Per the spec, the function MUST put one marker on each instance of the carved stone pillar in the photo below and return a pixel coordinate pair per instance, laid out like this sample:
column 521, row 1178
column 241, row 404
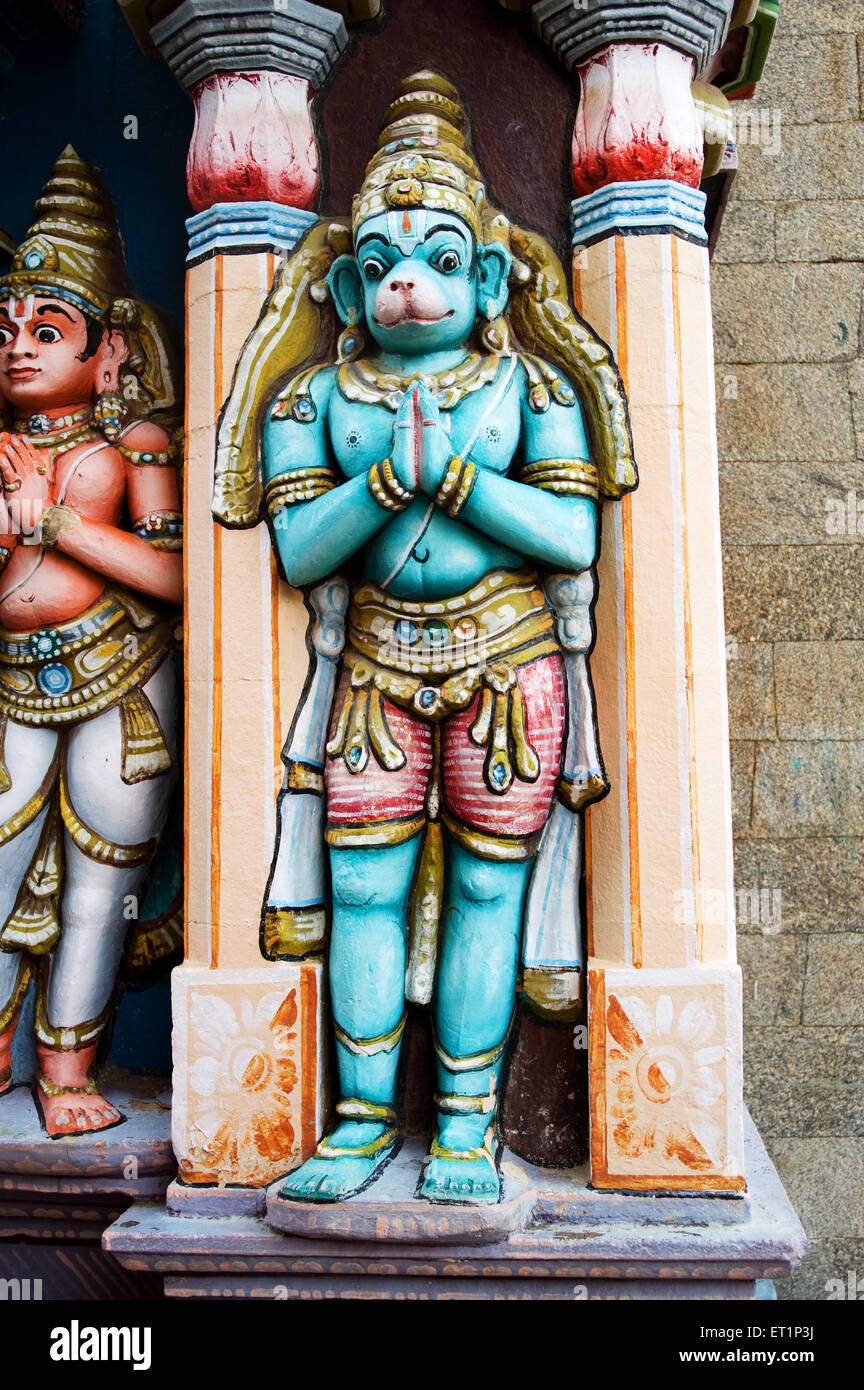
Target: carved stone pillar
column 248, row 1046
column 665, row 991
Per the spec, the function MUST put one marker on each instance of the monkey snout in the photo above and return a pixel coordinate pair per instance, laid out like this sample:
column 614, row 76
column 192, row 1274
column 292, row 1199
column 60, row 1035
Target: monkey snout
column 408, row 301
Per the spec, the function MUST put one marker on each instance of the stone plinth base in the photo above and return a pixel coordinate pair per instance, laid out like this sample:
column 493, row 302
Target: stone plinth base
column 70, row 1189
column 123, row 1158
column 390, row 1209
column 574, row 1243
column 188, row 1199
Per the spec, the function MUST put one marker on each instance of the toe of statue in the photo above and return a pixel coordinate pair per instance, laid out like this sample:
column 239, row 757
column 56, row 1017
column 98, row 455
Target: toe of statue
column 455, row 1176
column 332, row 1174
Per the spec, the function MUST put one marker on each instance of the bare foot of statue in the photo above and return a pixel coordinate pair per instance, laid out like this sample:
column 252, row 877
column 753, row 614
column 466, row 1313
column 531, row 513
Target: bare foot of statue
column 67, row 1098
column 344, row 1163
column 461, row 1164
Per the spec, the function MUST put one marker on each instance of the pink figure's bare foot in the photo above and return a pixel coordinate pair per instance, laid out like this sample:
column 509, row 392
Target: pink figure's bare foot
column 67, row 1105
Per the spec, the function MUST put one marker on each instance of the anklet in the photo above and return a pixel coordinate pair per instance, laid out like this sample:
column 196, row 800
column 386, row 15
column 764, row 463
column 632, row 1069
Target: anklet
column 353, row 1108
column 374, row 1146
column 55, row 1092
column 437, row 1150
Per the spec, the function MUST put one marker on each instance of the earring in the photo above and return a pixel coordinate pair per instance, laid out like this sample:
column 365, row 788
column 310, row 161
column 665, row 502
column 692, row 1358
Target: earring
column 109, row 413
column 350, row 344
column 496, row 337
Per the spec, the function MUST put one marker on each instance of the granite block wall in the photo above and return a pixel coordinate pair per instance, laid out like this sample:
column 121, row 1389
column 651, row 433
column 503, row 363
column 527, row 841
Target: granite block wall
column 787, row 284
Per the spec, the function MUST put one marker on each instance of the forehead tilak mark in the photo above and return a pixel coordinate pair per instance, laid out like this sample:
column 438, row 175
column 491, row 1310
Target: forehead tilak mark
column 406, row 230
column 20, row 308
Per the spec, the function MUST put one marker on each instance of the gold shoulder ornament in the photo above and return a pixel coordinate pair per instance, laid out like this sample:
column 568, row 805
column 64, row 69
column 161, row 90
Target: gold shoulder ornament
column 552, row 336
column 291, row 332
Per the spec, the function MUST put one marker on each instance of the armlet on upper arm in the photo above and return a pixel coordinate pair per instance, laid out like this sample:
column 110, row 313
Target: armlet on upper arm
column 147, row 446
column 163, row 529
column 300, row 485
column 567, row 477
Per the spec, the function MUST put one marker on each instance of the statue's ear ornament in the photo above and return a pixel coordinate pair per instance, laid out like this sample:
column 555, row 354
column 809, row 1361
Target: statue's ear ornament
column 124, row 314
column 496, row 337
column 339, row 239
column 350, row 344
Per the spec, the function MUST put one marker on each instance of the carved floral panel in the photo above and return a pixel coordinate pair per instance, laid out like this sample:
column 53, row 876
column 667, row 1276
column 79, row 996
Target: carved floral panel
column 248, row 1107
column 669, row 1061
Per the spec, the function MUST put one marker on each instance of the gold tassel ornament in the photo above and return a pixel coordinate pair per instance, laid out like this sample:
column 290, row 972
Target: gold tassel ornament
column 34, row 924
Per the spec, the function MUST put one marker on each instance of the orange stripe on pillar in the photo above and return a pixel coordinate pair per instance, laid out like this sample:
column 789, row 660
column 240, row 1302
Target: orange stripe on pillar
column 216, row 765
column 629, row 623
column 597, row 1070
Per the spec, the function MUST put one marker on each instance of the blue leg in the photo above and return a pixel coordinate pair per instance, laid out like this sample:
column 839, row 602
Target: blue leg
column 475, row 994
column 367, row 992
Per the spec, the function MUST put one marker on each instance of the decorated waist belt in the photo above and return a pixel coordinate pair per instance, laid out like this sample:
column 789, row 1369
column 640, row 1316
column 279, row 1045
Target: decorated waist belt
column 71, row 671
column 432, row 657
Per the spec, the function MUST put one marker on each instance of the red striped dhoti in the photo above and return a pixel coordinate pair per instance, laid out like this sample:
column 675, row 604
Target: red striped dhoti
column 377, row 806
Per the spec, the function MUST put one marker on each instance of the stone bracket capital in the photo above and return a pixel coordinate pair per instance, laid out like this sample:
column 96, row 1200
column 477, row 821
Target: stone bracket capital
column 576, row 31
column 203, row 38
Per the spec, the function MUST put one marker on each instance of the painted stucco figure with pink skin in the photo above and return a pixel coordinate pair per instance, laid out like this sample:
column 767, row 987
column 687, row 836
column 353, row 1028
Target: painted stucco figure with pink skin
column 454, row 448
column 89, row 536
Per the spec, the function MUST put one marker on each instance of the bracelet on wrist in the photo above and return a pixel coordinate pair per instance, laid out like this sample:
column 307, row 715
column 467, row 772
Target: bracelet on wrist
column 386, row 488
column 455, row 487
column 56, row 519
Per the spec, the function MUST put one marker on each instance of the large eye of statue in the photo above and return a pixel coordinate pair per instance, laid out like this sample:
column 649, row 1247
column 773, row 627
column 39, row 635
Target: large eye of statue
column 373, row 269
column 447, row 262
column 47, row 334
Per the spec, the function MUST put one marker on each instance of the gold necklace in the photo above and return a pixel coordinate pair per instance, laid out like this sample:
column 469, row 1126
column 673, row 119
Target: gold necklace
column 62, row 443
column 60, row 434
column 41, row 424
column 363, row 381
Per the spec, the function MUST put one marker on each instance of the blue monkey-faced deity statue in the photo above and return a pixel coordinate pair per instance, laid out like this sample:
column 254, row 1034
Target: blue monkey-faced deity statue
column 447, row 458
